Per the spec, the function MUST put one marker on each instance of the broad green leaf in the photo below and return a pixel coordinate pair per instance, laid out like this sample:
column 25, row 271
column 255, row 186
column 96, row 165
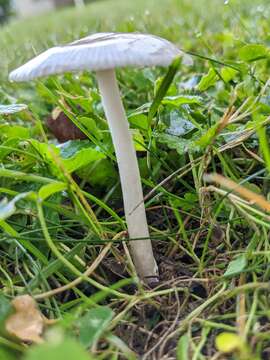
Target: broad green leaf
column 68, row 349
column 138, row 121
column 7, row 147
column 138, row 140
column 100, row 173
column 92, row 325
column 84, row 103
column 12, row 109
column 45, row 151
column 228, row 342
column 207, row 137
column 182, row 348
column 236, row 266
column 50, row 189
column 179, row 125
column 82, row 158
column 46, row 93
column 187, row 203
column 208, row 80
column 73, row 154
column 15, row 131
column 228, row 73
column 72, row 147
column 91, row 126
column 179, row 144
column 182, row 100
column 77, row 153
column 253, row 52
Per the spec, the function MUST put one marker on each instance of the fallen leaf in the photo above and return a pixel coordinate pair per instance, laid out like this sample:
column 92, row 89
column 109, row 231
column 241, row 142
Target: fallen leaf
column 63, row 128
column 27, row 323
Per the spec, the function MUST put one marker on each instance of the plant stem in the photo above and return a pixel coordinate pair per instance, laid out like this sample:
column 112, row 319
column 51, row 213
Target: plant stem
column 66, row 262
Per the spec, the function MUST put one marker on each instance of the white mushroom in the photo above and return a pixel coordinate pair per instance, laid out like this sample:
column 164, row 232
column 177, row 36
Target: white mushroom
column 103, row 53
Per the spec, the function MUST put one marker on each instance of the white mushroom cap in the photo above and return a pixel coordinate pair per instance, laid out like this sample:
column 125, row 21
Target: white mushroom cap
column 101, row 51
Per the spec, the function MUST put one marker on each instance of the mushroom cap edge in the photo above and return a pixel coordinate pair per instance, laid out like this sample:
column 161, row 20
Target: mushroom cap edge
column 101, row 51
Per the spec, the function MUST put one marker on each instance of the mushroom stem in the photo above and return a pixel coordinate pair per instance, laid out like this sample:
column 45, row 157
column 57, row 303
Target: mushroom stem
column 141, row 250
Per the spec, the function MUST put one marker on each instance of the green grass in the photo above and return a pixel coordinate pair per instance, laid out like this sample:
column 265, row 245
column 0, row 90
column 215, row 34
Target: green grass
column 195, row 26
column 211, row 240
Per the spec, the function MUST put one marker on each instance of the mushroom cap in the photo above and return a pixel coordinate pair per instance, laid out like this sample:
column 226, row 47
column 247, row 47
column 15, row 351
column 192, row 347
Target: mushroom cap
column 101, row 51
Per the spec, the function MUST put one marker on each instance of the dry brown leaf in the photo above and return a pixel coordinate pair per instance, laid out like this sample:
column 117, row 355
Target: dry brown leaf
column 63, row 128
column 27, row 323
column 245, row 193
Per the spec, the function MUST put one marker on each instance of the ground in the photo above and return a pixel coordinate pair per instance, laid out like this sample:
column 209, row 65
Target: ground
column 61, row 206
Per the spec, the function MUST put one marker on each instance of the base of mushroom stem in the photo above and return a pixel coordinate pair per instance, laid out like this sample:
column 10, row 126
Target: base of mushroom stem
column 151, row 281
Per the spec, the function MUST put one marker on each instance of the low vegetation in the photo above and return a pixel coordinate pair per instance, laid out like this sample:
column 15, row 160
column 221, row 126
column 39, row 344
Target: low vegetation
column 202, row 145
